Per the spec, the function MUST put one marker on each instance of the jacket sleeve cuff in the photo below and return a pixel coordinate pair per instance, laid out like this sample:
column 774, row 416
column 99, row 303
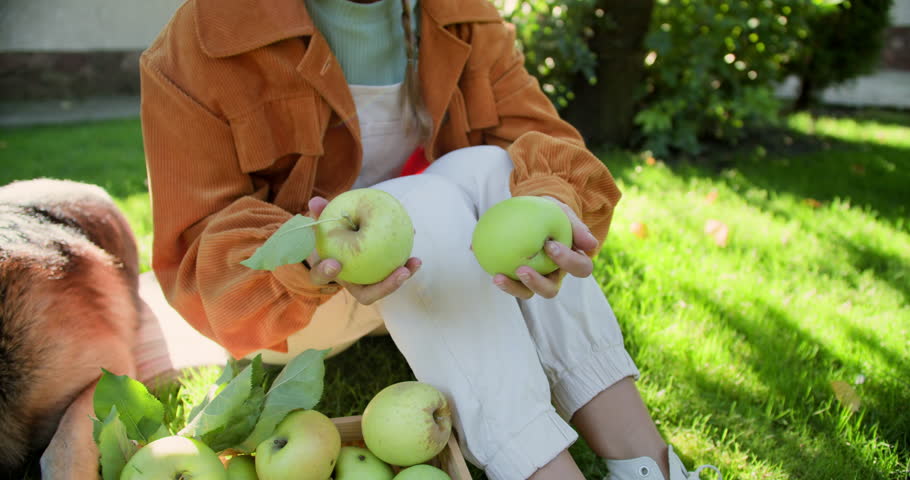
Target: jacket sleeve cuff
column 550, row 185
column 296, row 278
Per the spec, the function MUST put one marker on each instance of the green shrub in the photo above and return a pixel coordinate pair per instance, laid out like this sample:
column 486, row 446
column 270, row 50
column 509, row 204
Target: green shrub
column 712, row 68
column 845, row 40
column 553, row 37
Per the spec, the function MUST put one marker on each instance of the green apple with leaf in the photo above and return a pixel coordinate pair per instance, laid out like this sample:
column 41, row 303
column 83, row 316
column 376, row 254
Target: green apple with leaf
column 422, row 472
column 242, row 467
column 374, row 237
column 356, row 463
column 304, row 446
column 367, row 230
column 513, row 233
column 407, row 423
column 174, row 457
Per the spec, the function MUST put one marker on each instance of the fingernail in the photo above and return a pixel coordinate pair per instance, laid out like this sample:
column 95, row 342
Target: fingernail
column 524, row 276
column 330, row 270
column 401, row 278
column 552, row 248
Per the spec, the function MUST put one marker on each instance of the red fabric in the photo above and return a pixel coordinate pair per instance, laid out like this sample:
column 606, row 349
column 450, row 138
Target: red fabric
column 415, row 164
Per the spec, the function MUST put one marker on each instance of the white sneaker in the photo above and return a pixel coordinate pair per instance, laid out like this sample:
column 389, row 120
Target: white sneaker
column 645, row 468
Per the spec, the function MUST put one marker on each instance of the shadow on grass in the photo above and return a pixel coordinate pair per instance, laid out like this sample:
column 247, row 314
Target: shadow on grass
column 809, row 166
column 796, row 416
column 782, row 427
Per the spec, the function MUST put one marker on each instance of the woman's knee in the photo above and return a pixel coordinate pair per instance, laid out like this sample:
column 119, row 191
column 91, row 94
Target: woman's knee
column 480, row 160
column 443, row 219
column 429, row 196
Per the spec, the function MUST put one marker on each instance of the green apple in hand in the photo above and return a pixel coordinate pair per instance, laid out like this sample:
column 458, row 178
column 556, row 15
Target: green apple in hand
column 373, row 238
column 242, row 467
column 422, row 472
column 174, row 457
column 304, row 446
column 407, row 423
column 513, row 233
column 355, row 463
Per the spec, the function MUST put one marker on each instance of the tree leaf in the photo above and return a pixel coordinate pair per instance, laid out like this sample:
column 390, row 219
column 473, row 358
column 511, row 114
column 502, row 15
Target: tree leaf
column 227, row 374
column 140, row 412
column 711, row 197
column 812, row 202
column 717, row 230
column 846, row 395
column 639, row 229
column 239, row 424
column 292, row 243
column 114, row 445
column 226, row 405
column 298, row 386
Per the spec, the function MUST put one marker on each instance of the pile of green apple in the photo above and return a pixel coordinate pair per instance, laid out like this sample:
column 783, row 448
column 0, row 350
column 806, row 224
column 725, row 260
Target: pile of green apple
column 404, row 425
column 269, row 430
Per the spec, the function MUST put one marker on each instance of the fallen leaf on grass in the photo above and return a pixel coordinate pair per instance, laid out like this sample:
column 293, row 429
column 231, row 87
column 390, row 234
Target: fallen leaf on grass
column 639, row 229
column 846, row 395
column 812, row 202
column 717, row 230
column 711, row 197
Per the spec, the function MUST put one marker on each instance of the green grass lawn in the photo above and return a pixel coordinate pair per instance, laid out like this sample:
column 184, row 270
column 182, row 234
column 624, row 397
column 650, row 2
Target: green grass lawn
column 740, row 345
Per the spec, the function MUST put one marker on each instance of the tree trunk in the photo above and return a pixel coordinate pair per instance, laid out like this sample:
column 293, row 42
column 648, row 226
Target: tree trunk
column 806, row 93
column 604, row 113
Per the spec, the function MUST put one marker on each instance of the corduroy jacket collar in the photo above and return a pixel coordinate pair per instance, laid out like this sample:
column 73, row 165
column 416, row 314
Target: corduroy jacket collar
column 227, row 28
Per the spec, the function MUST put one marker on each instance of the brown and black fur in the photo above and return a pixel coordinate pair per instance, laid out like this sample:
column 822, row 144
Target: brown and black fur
column 69, row 306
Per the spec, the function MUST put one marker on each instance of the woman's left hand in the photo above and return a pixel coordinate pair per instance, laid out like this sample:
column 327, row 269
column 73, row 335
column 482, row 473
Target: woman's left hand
column 572, row 260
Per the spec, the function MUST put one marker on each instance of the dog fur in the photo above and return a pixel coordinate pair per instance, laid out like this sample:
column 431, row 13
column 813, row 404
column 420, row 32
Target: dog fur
column 69, row 306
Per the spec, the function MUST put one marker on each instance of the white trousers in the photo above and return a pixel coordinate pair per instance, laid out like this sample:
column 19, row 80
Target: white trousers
column 514, row 370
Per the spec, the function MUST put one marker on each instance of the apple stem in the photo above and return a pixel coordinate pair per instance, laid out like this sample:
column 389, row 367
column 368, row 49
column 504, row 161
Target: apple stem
column 317, row 222
column 350, row 221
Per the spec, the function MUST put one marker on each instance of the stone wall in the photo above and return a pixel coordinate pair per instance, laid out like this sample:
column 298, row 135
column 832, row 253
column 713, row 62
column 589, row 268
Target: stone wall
column 69, row 49
column 68, row 75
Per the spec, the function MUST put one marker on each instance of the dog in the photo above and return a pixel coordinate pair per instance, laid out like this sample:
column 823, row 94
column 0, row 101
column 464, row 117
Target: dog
column 69, row 306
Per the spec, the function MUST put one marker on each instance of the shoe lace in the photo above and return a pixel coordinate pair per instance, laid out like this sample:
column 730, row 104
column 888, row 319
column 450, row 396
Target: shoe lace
column 698, row 471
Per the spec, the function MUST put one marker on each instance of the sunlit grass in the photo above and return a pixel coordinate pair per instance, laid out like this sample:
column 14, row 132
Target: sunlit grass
column 738, row 344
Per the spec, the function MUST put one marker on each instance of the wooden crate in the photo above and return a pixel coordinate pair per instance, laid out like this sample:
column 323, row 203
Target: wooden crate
column 449, row 459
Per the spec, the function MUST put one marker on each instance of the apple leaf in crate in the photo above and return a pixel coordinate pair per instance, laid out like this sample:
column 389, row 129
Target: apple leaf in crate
column 240, row 423
column 140, row 412
column 292, row 243
column 228, row 408
column 113, row 445
column 226, row 376
column 298, row 386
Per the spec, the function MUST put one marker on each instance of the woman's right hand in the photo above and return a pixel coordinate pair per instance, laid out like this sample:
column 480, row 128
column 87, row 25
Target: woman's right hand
column 325, row 271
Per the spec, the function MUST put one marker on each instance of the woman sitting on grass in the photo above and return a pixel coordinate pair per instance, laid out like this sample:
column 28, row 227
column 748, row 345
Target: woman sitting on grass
column 254, row 111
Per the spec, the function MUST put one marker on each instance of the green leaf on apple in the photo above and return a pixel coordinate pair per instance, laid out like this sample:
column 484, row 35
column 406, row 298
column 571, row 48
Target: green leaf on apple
column 114, row 445
column 141, row 414
column 240, row 422
column 298, row 386
column 292, row 243
column 223, row 406
column 227, row 374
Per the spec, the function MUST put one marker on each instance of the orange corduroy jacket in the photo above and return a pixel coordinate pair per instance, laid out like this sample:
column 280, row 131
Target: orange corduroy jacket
column 246, row 115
